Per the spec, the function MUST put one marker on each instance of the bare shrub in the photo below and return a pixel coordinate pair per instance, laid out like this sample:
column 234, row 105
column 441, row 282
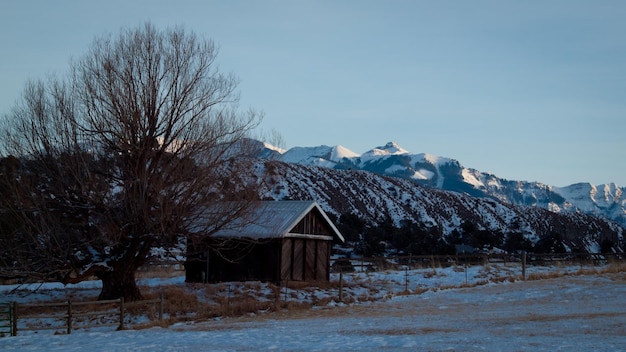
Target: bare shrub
column 242, row 305
column 429, row 274
column 180, row 303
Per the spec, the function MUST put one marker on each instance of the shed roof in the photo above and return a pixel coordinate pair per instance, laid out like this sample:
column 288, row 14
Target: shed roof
column 276, row 219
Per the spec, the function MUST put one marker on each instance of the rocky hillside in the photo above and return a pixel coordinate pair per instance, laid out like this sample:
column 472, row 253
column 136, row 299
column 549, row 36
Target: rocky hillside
column 375, row 198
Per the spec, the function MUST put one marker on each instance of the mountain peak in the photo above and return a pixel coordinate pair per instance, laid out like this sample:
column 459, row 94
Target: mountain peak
column 339, row 152
column 391, row 148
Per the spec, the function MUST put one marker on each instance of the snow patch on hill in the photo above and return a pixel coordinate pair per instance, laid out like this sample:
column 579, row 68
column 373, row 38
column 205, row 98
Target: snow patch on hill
column 472, row 177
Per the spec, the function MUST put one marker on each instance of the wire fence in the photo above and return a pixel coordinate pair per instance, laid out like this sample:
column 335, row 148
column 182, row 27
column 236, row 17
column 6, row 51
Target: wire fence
column 351, row 280
column 401, row 262
column 71, row 315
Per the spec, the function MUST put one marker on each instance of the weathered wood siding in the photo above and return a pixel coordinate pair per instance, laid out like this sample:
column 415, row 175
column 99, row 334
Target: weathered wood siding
column 299, row 256
column 313, row 224
column 305, row 259
column 297, row 260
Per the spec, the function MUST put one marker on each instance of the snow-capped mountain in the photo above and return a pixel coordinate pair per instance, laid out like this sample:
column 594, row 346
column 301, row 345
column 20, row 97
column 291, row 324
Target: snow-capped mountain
column 448, row 174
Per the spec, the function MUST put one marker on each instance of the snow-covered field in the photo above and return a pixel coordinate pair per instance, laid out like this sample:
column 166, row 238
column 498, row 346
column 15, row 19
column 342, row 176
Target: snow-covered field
column 572, row 312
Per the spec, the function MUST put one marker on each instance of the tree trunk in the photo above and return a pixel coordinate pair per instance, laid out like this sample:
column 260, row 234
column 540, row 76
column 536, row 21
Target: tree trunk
column 119, row 280
column 117, row 284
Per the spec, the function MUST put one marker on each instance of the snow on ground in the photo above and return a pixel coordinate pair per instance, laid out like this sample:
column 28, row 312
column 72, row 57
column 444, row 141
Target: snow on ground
column 501, row 313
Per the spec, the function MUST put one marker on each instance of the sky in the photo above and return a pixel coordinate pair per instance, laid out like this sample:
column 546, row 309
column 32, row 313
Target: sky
column 526, row 90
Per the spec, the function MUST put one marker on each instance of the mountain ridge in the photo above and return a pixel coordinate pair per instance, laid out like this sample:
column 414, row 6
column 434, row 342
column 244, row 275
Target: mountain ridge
column 605, row 200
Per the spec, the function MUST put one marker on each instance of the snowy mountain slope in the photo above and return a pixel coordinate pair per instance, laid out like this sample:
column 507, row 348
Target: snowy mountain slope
column 448, row 174
column 604, row 200
column 375, row 197
column 600, row 200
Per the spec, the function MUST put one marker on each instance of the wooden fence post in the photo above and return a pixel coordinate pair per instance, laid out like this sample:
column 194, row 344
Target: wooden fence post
column 121, row 327
column 341, row 286
column 161, row 307
column 228, row 299
column 69, row 317
column 406, row 279
column 466, row 277
column 14, row 331
column 286, row 291
column 524, row 265
column 580, row 261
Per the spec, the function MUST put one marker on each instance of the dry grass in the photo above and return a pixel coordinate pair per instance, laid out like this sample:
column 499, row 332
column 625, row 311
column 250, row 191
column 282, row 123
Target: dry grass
column 201, row 301
column 429, row 274
column 420, row 290
column 163, row 272
column 558, row 317
column 303, row 285
column 181, row 303
column 611, row 268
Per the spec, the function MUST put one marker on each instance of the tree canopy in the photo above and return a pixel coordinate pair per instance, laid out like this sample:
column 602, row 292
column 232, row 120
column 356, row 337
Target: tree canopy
column 121, row 157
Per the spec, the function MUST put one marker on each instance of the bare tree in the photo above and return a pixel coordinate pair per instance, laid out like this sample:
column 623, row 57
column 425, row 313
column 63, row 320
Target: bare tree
column 124, row 156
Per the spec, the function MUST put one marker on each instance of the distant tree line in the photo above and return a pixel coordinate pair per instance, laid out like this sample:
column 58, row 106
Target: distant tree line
column 411, row 238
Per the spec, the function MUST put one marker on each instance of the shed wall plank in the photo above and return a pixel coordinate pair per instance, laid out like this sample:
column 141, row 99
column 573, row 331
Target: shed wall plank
column 323, row 260
column 298, row 260
column 309, row 260
column 285, row 261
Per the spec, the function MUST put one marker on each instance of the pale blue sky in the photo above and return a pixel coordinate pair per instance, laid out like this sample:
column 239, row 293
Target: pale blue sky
column 526, row 90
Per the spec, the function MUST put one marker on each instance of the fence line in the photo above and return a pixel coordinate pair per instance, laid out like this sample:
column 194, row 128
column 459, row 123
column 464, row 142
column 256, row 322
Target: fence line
column 69, row 315
column 67, row 312
column 428, row 261
column 406, row 263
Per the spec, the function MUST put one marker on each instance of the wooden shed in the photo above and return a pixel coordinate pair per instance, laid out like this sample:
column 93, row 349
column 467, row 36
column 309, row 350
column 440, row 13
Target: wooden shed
column 286, row 241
